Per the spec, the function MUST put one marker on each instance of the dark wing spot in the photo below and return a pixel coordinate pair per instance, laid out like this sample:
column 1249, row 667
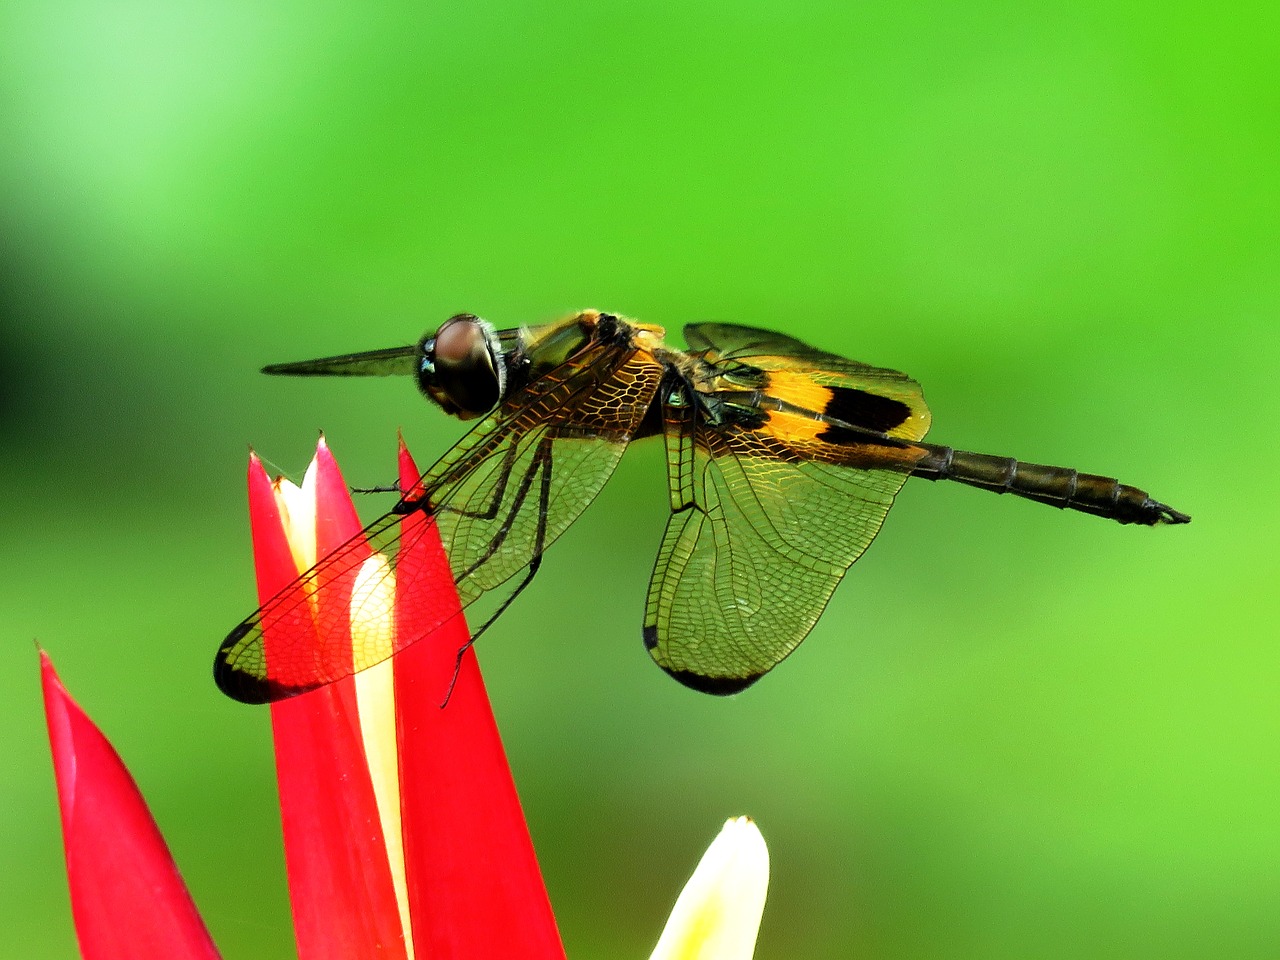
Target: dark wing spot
column 650, row 635
column 841, row 436
column 247, row 688
column 717, row 686
column 867, row 410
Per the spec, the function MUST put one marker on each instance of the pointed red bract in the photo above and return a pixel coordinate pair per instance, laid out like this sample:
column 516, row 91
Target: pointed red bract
column 127, row 897
column 475, row 890
column 340, row 884
column 472, row 884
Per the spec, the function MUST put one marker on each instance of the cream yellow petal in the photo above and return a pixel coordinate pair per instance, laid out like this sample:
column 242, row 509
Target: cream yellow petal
column 372, row 640
column 717, row 915
column 297, row 505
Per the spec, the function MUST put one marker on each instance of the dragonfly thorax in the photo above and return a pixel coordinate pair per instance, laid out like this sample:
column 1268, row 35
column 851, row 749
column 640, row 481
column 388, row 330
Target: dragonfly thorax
column 462, row 368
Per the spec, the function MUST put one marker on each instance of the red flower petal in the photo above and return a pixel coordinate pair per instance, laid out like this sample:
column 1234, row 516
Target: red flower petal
column 127, row 896
column 475, row 890
column 340, row 884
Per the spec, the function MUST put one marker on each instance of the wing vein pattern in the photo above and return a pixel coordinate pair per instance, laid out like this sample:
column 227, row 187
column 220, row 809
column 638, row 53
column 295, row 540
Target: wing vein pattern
column 494, row 516
column 770, row 506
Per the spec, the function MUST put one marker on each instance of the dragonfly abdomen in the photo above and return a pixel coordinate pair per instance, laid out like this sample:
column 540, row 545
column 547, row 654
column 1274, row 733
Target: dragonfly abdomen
column 1060, row 487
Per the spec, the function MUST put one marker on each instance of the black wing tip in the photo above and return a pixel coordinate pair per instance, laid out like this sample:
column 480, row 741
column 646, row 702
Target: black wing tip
column 236, row 685
column 240, row 685
column 246, row 688
column 650, row 636
column 716, row 686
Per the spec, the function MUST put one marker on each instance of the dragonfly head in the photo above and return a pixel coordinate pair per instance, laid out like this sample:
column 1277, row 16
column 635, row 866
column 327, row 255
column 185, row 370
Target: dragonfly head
column 462, row 367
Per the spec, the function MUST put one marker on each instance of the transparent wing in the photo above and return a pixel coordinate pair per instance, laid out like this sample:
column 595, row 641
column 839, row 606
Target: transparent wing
column 770, row 350
column 499, row 498
column 770, row 507
column 731, row 340
column 392, row 362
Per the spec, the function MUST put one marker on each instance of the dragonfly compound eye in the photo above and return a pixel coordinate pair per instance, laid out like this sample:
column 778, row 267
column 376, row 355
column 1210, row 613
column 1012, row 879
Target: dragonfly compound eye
column 461, row 367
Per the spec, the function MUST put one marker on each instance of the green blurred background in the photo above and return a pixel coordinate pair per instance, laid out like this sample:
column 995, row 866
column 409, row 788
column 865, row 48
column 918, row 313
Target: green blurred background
column 1015, row 733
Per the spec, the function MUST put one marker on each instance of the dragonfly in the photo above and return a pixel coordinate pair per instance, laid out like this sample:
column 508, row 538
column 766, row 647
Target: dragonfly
column 782, row 461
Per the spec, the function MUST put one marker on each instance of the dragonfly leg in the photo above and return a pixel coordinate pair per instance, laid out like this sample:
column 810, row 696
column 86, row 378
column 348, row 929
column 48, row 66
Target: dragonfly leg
column 542, row 464
column 379, row 488
column 499, row 490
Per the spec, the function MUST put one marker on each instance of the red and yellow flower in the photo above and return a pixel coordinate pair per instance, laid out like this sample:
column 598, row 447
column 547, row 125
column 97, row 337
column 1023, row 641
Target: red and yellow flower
column 403, row 831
